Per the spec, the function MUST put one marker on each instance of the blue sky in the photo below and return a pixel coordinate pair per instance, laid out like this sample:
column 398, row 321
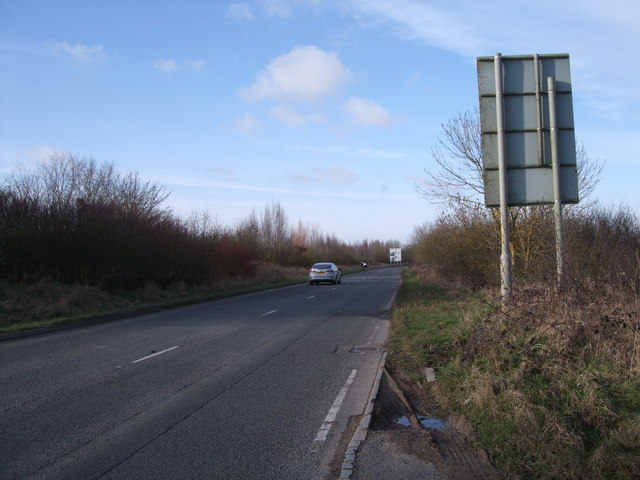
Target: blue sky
column 330, row 108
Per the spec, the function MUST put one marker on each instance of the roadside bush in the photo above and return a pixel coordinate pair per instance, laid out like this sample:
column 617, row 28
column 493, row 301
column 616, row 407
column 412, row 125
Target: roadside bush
column 78, row 222
column 604, row 245
column 460, row 248
column 463, row 247
column 550, row 382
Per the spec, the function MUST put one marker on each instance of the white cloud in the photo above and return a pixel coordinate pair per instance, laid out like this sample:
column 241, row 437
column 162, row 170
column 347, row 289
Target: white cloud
column 601, row 38
column 292, row 118
column 364, row 111
column 43, row 153
column 78, row 52
column 165, row 65
column 417, row 20
column 306, row 73
column 273, row 8
column 377, row 153
column 332, row 174
column 284, row 8
column 373, row 153
column 223, row 173
column 276, row 8
column 169, row 65
column 240, row 11
column 247, row 124
column 199, row 182
column 14, row 159
column 194, row 65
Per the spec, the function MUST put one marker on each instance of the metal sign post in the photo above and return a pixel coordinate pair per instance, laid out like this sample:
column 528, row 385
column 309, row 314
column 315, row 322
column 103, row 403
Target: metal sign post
column 505, row 256
column 555, row 166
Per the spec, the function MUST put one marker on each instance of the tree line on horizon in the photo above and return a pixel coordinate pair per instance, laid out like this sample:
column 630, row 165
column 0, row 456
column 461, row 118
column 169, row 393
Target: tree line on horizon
column 76, row 221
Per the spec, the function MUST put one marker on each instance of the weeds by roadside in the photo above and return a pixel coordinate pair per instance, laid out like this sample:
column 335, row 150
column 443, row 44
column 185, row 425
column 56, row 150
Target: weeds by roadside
column 46, row 303
column 551, row 386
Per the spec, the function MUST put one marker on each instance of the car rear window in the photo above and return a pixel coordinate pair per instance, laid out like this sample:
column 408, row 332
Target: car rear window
column 322, row 265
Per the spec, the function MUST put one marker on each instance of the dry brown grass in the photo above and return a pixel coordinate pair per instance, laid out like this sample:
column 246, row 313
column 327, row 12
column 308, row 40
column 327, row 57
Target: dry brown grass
column 553, row 383
column 37, row 304
column 42, row 300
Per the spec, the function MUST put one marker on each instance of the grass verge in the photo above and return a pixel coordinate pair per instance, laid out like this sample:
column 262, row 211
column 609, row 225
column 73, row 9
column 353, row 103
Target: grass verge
column 45, row 304
column 551, row 385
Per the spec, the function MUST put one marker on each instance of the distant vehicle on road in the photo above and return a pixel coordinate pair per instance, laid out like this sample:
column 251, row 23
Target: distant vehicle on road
column 325, row 272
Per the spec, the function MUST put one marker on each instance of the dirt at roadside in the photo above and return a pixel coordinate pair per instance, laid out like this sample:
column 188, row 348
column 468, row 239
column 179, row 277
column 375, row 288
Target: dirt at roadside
column 408, row 425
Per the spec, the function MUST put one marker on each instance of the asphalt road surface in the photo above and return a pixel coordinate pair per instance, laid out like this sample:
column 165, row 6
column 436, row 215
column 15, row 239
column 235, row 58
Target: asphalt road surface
column 262, row 386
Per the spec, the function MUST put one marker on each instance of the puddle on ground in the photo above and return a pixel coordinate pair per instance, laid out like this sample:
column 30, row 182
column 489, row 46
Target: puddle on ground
column 403, row 421
column 431, row 423
column 390, row 412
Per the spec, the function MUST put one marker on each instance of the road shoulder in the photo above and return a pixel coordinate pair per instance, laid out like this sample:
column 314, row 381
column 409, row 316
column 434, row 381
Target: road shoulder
column 407, row 439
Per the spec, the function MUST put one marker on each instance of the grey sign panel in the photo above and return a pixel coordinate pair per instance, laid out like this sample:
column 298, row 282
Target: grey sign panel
column 517, row 144
column 519, row 73
column 521, row 112
column 528, row 186
column 527, row 130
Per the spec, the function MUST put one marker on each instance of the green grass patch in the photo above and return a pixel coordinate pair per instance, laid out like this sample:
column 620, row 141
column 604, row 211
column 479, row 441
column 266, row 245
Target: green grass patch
column 552, row 390
column 428, row 319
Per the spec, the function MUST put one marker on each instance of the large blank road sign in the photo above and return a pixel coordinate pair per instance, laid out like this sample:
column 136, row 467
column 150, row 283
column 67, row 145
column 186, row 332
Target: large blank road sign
column 527, row 129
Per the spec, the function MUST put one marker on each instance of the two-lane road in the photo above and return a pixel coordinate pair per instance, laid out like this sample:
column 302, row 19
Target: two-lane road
column 252, row 387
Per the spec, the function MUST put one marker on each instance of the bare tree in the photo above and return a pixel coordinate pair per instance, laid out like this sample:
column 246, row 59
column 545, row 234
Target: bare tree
column 458, row 181
column 73, row 219
column 275, row 232
column 64, row 180
column 458, row 156
column 200, row 224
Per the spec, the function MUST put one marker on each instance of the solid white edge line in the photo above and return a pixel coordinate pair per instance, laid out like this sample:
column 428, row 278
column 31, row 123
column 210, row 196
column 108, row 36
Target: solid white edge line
column 391, row 301
column 360, row 434
column 154, row 354
column 335, row 408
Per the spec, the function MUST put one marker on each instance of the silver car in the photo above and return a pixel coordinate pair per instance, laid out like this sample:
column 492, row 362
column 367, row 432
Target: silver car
column 325, row 272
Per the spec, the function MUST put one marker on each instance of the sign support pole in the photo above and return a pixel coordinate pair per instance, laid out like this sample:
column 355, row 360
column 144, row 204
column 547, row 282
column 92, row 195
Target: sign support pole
column 505, row 257
column 555, row 165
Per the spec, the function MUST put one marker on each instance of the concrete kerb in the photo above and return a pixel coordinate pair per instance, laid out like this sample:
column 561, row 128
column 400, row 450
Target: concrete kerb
column 360, row 434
